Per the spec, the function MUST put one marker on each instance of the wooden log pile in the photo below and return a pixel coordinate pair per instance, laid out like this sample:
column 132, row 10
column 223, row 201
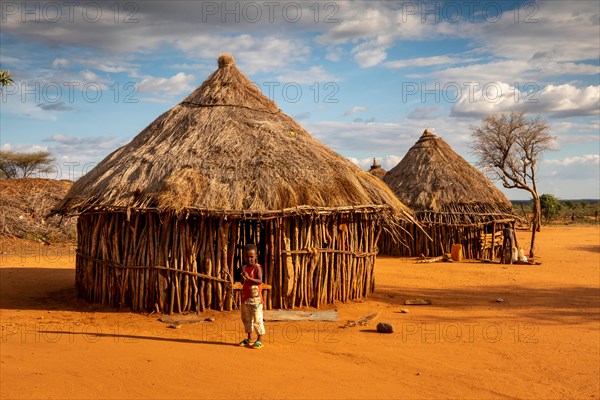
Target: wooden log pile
column 489, row 240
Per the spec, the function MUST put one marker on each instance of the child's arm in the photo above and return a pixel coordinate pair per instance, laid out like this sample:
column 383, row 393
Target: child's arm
column 258, row 279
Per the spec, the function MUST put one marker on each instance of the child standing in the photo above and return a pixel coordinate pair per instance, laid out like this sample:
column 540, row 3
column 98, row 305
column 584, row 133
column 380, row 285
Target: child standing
column 252, row 302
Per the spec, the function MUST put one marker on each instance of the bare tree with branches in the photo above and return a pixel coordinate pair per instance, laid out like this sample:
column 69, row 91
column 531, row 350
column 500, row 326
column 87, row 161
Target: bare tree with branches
column 509, row 148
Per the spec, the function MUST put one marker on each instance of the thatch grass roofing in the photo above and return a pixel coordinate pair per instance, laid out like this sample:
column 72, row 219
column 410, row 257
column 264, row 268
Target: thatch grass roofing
column 226, row 147
column 377, row 170
column 432, row 178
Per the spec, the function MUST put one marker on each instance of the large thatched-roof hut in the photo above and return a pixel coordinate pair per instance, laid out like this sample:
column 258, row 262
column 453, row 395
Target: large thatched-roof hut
column 163, row 219
column 454, row 202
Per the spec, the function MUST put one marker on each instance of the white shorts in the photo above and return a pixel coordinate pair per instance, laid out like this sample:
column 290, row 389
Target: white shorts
column 252, row 317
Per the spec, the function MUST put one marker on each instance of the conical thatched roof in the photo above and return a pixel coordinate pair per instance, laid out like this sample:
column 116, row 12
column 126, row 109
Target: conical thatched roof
column 433, row 178
column 376, row 170
column 226, row 147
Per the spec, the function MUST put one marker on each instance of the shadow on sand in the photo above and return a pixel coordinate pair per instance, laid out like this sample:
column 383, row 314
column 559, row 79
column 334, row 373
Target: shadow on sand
column 51, row 289
column 120, row 336
column 54, row 289
column 590, row 247
column 569, row 303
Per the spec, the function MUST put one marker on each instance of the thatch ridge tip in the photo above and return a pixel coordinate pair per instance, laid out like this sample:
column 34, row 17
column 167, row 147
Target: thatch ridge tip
column 428, row 133
column 225, row 60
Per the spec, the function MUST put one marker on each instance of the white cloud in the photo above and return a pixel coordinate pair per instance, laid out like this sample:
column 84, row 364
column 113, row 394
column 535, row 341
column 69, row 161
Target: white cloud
column 570, row 133
column 179, row 83
column 112, row 68
column 44, row 92
column 571, row 177
column 23, row 148
column 77, row 155
column 60, row 62
column 518, row 36
column 370, row 27
column 334, row 53
column 374, row 27
column 559, row 101
column 358, row 22
column 568, row 101
column 363, row 140
column 110, row 64
column 90, row 76
column 503, row 70
column 312, row 75
column 427, row 61
column 354, row 110
column 586, row 159
column 261, row 46
column 14, row 105
column 371, row 53
column 252, row 54
column 508, row 70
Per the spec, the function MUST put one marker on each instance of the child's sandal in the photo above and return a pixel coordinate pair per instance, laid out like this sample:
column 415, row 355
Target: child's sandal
column 257, row 345
column 244, row 343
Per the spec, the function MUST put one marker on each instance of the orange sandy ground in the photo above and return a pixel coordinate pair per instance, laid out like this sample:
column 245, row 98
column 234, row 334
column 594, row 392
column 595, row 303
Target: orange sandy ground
column 543, row 341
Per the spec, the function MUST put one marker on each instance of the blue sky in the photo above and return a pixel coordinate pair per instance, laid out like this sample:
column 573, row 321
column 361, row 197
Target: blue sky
column 365, row 78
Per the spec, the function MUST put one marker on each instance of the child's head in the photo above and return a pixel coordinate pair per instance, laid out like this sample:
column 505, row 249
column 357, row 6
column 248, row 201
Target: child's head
column 250, row 256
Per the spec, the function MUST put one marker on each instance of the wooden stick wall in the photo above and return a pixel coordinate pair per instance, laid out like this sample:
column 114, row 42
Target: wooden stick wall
column 472, row 238
column 151, row 261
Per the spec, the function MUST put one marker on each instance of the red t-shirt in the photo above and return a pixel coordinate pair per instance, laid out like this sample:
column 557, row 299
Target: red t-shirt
column 247, row 288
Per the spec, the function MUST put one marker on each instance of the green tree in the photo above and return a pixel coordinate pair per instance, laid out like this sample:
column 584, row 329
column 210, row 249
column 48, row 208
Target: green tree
column 25, row 165
column 509, row 148
column 569, row 204
column 5, row 79
column 551, row 207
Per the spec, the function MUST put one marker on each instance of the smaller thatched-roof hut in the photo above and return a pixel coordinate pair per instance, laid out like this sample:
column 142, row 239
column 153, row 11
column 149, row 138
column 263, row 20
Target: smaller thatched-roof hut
column 454, row 201
column 377, row 170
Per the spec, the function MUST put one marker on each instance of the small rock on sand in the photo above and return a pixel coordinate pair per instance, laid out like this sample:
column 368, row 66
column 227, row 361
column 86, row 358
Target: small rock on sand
column 404, row 310
column 384, row 327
